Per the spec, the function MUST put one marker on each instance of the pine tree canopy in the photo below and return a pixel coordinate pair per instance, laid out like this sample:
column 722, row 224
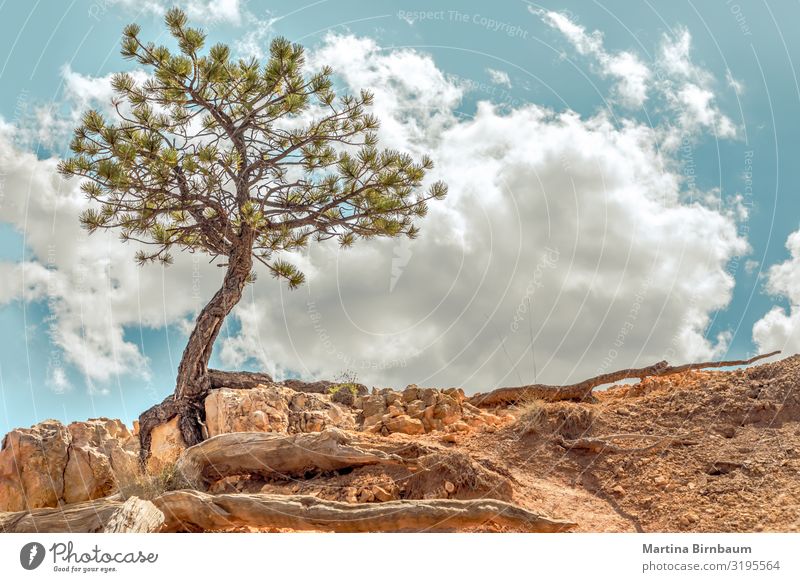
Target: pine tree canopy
column 211, row 153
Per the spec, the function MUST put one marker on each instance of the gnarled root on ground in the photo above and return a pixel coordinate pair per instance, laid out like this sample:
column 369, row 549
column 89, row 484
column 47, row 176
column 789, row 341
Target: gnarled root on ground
column 195, row 511
column 273, row 455
column 583, row 390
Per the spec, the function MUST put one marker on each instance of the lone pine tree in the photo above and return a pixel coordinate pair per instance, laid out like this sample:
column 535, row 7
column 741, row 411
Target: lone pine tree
column 240, row 160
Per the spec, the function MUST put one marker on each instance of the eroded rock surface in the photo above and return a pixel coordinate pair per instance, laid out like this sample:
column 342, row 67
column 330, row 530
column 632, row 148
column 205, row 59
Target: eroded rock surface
column 50, row 463
column 264, row 408
column 273, row 408
column 166, row 446
column 421, row 410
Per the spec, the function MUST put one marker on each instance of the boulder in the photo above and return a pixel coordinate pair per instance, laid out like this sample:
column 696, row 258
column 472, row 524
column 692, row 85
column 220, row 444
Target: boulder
column 393, row 411
column 32, row 465
column 103, row 453
column 166, row 446
column 435, row 410
column 389, row 493
column 260, row 409
column 340, row 392
column 88, row 475
column 307, row 421
column 49, row 463
column 456, row 394
column 373, row 405
column 404, row 424
column 392, row 398
column 447, row 412
column 411, row 393
column 429, row 396
column 372, row 421
column 273, row 408
column 415, row 408
column 476, row 422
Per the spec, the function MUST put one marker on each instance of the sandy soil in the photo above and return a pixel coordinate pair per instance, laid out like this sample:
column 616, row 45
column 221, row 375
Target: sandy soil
column 733, row 464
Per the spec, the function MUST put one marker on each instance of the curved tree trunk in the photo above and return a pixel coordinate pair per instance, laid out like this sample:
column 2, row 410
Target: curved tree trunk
column 193, row 378
column 194, row 381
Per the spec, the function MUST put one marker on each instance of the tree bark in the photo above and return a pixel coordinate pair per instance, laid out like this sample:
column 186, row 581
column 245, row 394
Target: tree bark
column 194, row 380
column 239, row 380
column 87, row 517
column 135, row 516
column 188, row 510
column 276, row 455
column 582, row 390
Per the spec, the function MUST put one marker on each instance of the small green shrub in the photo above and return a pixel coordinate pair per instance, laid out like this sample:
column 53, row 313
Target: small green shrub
column 347, row 380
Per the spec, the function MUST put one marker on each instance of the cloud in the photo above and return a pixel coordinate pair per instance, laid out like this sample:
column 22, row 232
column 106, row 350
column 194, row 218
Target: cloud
column 676, row 60
column 204, row 11
column 499, row 77
column 779, row 329
column 57, row 379
column 253, row 44
column 51, row 125
column 576, row 215
column 673, row 78
column 581, row 219
column 696, row 106
column 91, row 286
column 413, row 98
column 688, row 88
column 631, row 74
column 733, row 83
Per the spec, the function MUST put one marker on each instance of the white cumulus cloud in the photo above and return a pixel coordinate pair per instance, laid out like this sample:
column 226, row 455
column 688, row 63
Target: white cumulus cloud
column 581, row 219
column 779, row 329
column 631, row 74
column 205, row 11
column 685, row 87
column 575, row 215
column 499, row 77
column 91, row 285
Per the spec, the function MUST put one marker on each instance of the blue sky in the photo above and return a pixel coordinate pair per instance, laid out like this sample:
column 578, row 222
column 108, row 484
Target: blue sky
column 505, row 52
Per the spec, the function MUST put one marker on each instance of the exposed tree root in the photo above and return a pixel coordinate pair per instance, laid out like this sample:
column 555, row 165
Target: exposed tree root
column 276, row 455
column 191, row 410
column 195, row 511
column 583, row 390
column 190, row 510
column 191, row 415
column 88, row 517
column 599, row 445
column 135, row 516
column 225, row 379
